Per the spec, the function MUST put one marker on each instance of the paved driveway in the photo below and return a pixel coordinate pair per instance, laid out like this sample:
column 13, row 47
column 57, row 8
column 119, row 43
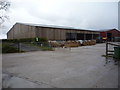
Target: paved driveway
column 81, row 67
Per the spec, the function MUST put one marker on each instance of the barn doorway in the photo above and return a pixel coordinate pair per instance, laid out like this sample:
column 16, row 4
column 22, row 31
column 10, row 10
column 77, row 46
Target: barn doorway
column 109, row 36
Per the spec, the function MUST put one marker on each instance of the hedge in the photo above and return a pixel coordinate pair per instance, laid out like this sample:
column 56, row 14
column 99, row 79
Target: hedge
column 25, row 40
column 6, row 48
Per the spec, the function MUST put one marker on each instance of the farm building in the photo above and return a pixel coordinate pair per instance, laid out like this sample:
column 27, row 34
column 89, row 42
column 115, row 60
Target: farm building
column 110, row 35
column 22, row 30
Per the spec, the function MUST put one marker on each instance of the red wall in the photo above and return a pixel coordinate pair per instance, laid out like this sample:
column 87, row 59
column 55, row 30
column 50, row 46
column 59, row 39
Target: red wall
column 103, row 34
column 115, row 33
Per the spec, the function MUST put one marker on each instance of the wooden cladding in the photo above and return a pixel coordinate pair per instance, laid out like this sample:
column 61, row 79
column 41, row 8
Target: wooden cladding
column 29, row 31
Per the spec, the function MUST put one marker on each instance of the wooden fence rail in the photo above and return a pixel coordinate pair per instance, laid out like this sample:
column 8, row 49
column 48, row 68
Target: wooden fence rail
column 107, row 49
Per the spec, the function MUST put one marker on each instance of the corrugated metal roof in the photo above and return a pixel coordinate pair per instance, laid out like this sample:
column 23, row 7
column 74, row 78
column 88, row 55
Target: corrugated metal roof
column 54, row 26
column 105, row 30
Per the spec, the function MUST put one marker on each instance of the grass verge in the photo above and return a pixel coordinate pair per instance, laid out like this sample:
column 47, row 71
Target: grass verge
column 44, row 47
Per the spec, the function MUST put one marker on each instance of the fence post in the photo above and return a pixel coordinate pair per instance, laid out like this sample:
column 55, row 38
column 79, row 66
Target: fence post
column 106, row 48
column 18, row 46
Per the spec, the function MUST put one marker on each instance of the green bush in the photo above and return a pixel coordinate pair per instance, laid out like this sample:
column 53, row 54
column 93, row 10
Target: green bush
column 42, row 40
column 6, row 48
column 25, row 40
column 10, row 40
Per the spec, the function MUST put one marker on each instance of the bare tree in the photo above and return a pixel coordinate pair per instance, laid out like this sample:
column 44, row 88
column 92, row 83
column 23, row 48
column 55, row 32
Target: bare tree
column 4, row 5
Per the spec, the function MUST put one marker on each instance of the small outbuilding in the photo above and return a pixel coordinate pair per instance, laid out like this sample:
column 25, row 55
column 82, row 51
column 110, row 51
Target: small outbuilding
column 110, row 35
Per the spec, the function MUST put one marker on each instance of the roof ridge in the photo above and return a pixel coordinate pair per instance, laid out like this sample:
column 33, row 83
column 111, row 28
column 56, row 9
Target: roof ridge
column 53, row 26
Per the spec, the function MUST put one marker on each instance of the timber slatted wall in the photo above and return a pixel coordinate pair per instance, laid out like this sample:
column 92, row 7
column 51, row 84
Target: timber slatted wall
column 28, row 31
column 51, row 34
column 21, row 31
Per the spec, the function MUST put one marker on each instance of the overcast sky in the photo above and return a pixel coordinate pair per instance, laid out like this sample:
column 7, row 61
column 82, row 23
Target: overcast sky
column 95, row 15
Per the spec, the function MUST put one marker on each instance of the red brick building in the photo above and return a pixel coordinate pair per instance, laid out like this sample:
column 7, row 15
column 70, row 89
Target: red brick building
column 110, row 35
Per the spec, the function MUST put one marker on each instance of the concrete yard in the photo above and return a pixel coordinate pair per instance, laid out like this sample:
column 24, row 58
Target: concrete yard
column 82, row 67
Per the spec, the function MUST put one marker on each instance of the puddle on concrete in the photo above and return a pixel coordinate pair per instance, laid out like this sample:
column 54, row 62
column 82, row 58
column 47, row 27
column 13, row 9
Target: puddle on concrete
column 109, row 60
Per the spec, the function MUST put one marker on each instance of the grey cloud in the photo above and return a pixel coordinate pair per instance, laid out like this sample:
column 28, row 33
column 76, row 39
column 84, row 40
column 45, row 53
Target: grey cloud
column 70, row 13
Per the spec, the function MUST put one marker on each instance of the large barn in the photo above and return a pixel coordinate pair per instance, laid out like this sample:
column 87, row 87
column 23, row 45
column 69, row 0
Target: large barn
column 22, row 30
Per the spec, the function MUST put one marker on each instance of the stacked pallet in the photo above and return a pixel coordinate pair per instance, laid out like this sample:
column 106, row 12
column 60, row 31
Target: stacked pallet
column 54, row 44
column 72, row 44
column 85, row 43
column 93, row 42
column 89, row 42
